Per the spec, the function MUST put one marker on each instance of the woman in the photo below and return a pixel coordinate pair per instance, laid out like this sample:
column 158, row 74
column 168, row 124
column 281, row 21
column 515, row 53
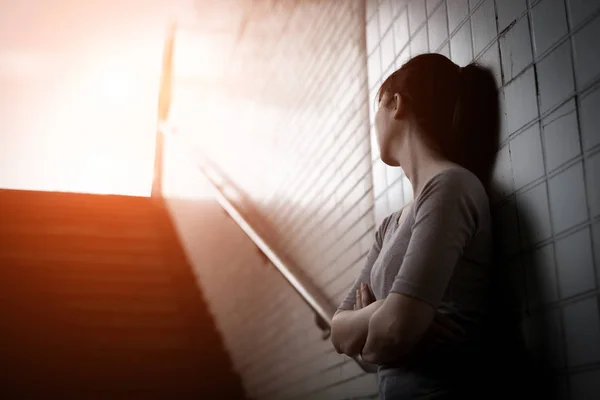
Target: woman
column 418, row 306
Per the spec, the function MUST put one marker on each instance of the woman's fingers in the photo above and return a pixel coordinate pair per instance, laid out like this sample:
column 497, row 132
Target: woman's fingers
column 373, row 299
column 365, row 294
column 359, row 304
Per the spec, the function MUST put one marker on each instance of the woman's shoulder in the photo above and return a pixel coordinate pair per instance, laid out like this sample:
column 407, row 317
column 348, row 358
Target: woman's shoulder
column 453, row 186
column 456, row 174
column 456, row 180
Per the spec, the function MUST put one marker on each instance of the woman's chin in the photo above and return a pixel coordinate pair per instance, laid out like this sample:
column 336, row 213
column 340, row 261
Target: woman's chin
column 389, row 161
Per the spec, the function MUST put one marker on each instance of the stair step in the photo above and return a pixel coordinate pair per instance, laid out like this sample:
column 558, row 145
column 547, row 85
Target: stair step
column 131, row 232
column 139, row 359
column 76, row 202
column 77, row 244
column 149, row 269
column 59, row 321
column 68, row 219
column 83, row 284
column 14, row 257
column 133, row 279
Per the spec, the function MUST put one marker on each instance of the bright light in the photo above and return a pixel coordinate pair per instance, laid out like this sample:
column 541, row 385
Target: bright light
column 109, row 86
column 79, row 94
column 114, row 85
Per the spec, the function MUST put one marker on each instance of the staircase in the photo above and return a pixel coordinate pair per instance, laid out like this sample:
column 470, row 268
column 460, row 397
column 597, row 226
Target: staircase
column 97, row 301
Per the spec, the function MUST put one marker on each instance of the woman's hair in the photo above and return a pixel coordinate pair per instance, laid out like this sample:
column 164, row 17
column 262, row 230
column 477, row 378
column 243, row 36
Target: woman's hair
column 456, row 109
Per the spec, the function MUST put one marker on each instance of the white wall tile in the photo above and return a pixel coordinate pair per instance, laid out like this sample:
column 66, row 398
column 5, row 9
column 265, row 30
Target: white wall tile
column 460, row 46
column 458, row 10
column 589, row 117
column 555, row 77
column 549, row 24
column 582, row 331
column 419, row 44
column 542, row 287
column 527, row 157
column 587, row 56
column 575, row 264
column 534, row 215
column 592, row 177
column 416, row 15
column 483, row 22
column 503, row 175
column 580, row 10
column 509, row 11
column 521, row 101
column 387, row 52
column 400, row 28
column 515, row 49
column 491, row 59
column 438, row 28
column 372, row 34
column 561, row 136
column 567, row 198
column 385, row 16
column 431, row 6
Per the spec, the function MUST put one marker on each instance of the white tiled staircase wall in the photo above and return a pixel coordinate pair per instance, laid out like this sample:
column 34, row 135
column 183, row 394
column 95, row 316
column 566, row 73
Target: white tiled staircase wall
column 546, row 59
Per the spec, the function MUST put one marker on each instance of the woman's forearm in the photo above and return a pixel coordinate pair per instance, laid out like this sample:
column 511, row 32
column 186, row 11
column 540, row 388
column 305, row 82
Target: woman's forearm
column 349, row 329
column 441, row 331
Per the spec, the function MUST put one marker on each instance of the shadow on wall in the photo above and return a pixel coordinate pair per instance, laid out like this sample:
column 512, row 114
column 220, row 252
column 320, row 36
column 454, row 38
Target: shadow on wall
column 521, row 336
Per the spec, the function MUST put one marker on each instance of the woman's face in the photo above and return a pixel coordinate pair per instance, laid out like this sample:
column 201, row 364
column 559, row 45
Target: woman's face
column 388, row 128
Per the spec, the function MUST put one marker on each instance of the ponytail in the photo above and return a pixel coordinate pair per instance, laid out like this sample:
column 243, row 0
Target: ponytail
column 456, row 109
column 476, row 120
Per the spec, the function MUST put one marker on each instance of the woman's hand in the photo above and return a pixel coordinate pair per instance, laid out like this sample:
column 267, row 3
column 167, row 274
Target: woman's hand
column 364, row 297
column 350, row 328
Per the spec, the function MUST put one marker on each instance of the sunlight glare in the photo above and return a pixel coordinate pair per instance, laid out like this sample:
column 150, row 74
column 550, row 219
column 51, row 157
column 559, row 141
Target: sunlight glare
column 114, row 85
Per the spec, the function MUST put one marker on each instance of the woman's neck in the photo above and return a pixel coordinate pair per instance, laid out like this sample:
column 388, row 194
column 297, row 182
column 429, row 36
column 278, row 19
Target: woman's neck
column 419, row 161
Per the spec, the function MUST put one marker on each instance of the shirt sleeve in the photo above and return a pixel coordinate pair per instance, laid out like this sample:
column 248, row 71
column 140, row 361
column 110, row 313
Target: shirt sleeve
column 365, row 273
column 446, row 218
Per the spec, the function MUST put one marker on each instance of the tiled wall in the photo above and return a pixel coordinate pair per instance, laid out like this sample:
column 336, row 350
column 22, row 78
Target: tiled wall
column 547, row 63
column 325, row 210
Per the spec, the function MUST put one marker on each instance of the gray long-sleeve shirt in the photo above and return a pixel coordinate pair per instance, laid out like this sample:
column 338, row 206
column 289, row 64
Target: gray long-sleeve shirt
column 440, row 251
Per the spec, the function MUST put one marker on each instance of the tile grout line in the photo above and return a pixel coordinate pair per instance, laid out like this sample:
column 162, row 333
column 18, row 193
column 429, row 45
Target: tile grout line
column 584, row 163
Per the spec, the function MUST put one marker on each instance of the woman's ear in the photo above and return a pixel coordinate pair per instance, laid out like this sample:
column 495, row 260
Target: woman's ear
column 398, row 106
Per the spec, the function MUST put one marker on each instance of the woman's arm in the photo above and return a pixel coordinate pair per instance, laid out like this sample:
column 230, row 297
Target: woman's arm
column 442, row 330
column 349, row 328
column 396, row 328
